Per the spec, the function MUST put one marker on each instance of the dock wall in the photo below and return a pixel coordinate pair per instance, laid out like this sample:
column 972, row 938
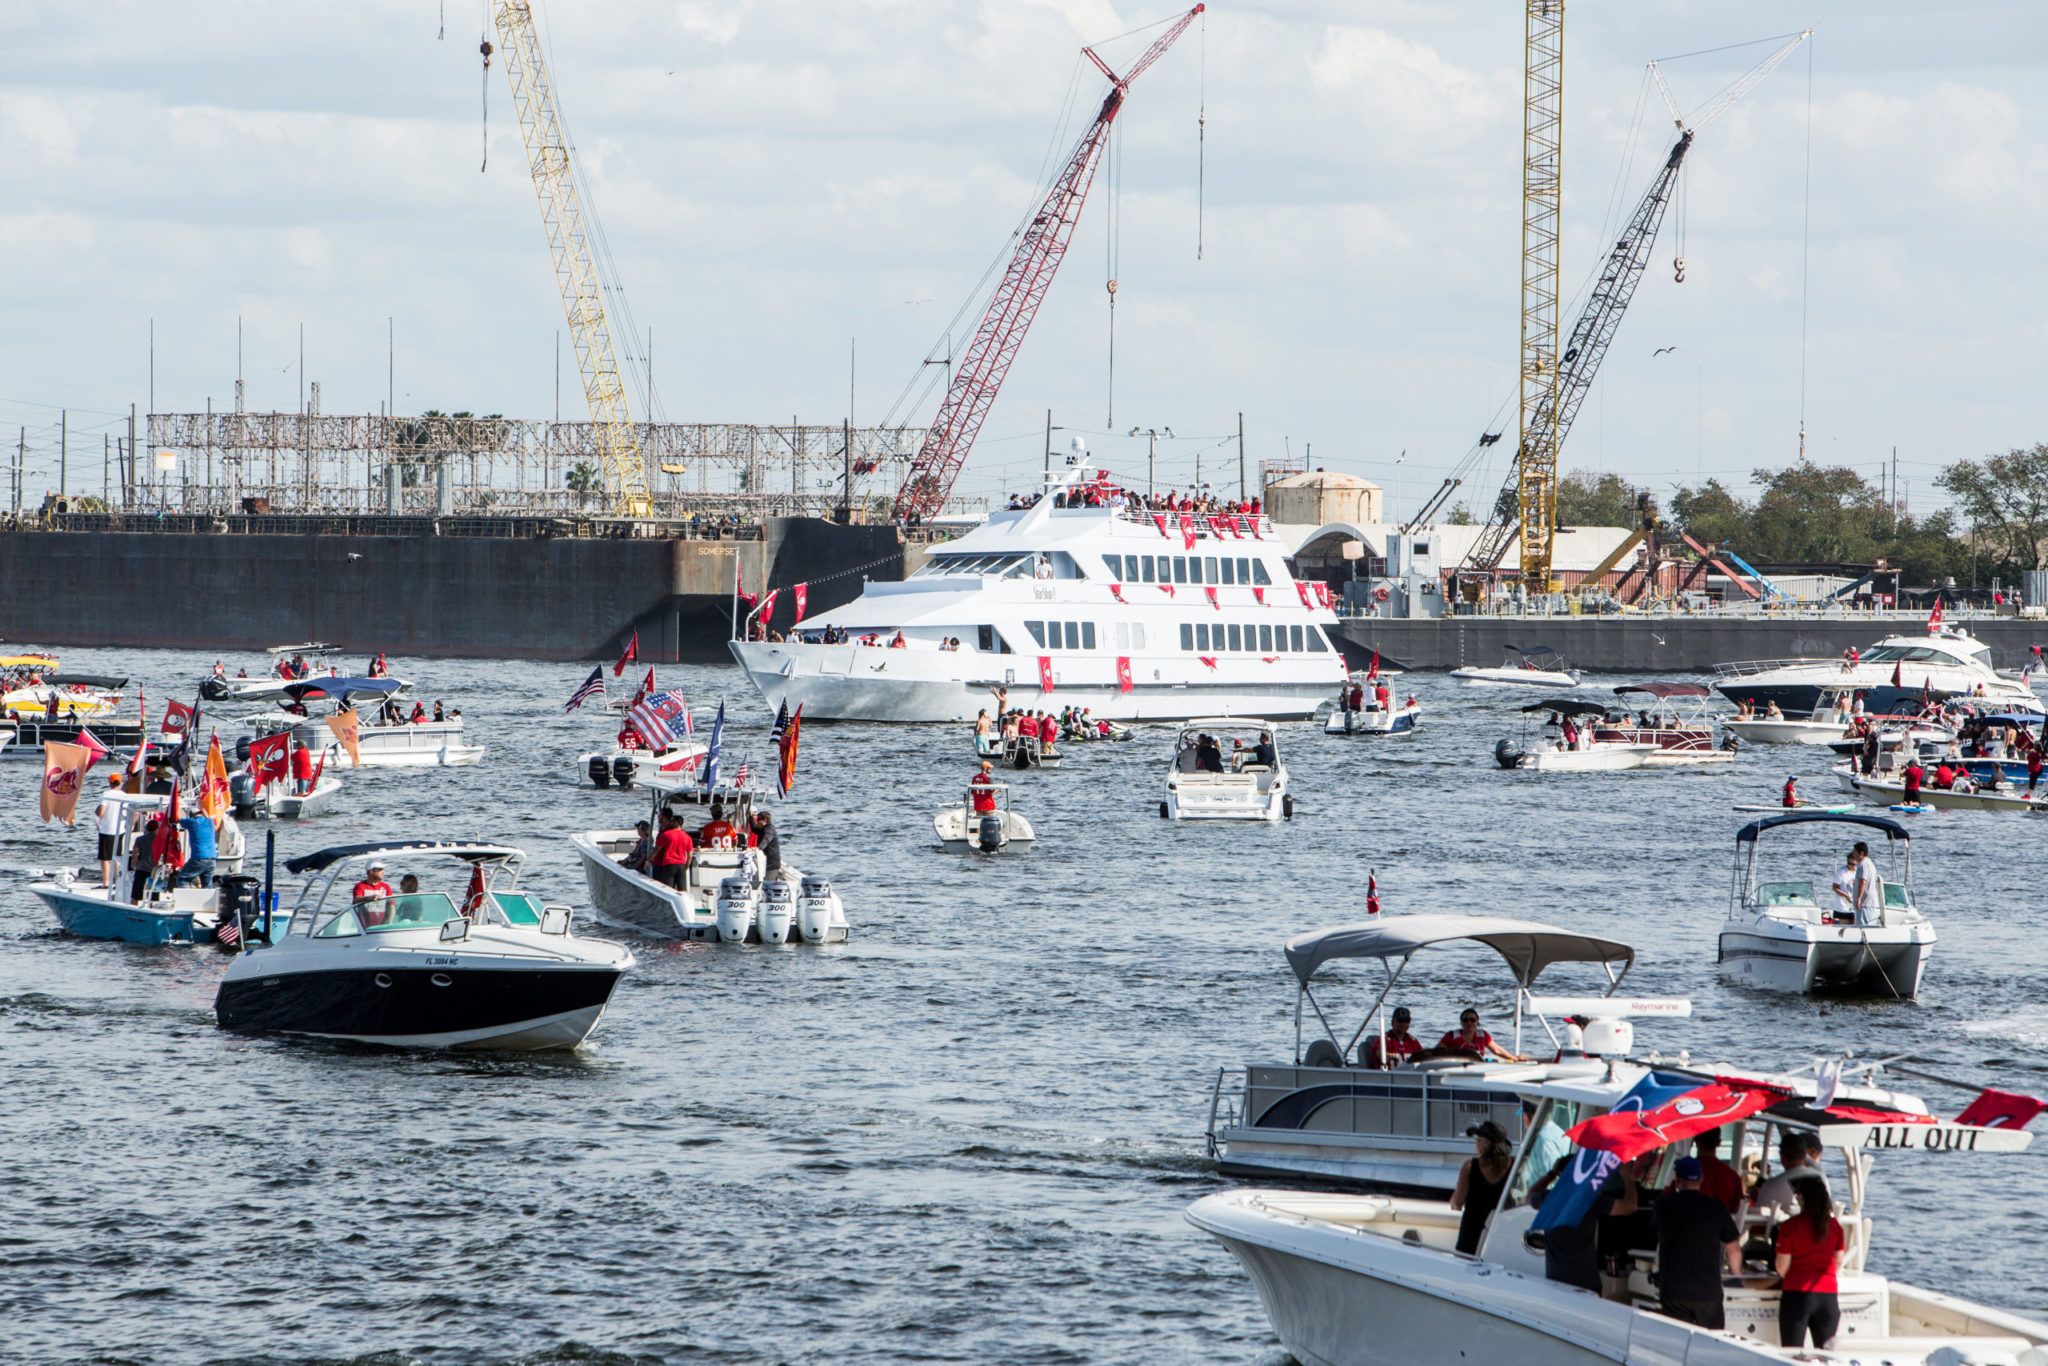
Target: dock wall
column 478, row 596
column 1651, row 645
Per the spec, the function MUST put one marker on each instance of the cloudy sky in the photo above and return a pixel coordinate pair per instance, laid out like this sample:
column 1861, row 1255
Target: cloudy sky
column 781, row 180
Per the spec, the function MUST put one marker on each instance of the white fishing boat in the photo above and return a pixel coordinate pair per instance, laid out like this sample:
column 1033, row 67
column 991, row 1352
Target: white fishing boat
column 1376, row 1280
column 672, row 765
column 1888, row 788
column 982, row 822
column 1565, row 742
column 1826, row 723
column 1132, row 614
column 1366, row 706
column 282, row 799
column 495, row 970
column 728, row 894
column 1246, row 782
column 1538, row 666
column 1671, row 717
column 1334, row 1114
column 1949, row 661
column 1783, row 935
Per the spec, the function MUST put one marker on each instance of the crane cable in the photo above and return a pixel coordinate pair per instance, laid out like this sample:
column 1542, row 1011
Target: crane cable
column 1113, row 224
column 1201, row 132
column 483, row 46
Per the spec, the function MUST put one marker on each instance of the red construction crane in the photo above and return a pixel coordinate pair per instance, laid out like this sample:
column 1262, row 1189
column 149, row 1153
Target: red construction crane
column 982, row 367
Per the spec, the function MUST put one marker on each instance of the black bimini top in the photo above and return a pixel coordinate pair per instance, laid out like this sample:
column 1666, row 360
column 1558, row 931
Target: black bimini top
column 466, row 850
column 1748, row 833
column 1568, row 706
column 1665, row 690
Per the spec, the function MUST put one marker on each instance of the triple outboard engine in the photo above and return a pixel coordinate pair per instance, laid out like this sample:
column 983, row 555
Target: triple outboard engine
column 988, row 831
column 778, row 911
column 1506, row 753
column 600, row 771
column 623, row 768
column 814, row 909
column 735, row 909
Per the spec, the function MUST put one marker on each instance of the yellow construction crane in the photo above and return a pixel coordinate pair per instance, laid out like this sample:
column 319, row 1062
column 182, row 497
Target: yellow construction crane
column 1542, row 171
column 561, row 214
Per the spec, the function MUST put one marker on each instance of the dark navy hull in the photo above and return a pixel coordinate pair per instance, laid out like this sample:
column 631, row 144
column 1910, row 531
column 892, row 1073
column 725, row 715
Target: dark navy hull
column 426, row 1006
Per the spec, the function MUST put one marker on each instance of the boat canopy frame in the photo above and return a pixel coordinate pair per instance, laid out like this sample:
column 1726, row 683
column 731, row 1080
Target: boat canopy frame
column 1527, row 946
column 1748, row 843
column 502, row 863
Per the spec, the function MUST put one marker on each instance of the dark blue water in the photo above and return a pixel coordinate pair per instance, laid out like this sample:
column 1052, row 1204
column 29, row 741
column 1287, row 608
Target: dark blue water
column 967, row 1135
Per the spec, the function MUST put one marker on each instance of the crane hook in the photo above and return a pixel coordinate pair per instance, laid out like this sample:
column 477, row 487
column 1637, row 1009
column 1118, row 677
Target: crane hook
column 486, row 48
column 1678, row 269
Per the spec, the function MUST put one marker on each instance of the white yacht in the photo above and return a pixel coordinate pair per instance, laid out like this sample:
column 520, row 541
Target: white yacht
column 1377, row 1280
column 1949, row 661
column 1782, row 937
column 1082, row 598
column 1539, row 666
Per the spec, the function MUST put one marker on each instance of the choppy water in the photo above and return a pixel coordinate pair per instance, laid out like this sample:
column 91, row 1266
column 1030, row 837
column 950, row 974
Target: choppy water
column 967, row 1135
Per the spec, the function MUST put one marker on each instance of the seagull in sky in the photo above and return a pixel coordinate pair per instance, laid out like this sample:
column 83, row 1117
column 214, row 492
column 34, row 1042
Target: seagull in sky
column 1662, row 349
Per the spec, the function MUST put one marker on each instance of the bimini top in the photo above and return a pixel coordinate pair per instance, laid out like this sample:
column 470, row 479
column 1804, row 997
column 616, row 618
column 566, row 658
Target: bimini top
column 1665, row 689
column 1569, row 706
column 1528, row 946
column 1748, row 833
column 313, row 689
column 311, row 647
column 60, row 680
column 1226, row 723
column 471, row 852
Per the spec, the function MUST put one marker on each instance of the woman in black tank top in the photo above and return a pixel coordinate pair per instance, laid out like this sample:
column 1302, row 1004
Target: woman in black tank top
column 1480, row 1182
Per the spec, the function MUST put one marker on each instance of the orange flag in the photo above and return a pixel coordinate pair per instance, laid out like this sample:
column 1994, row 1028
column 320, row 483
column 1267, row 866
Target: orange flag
column 213, row 787
column 347, row 728
column 63, row 773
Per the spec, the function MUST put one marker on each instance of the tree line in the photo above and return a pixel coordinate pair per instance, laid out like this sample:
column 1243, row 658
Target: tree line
column 1996, row 526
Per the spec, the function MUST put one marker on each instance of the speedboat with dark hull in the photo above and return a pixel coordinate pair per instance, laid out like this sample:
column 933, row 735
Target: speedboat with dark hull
column 487, row 968
column 1949, row 662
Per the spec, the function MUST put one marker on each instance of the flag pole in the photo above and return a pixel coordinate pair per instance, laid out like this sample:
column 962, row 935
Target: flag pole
column 269, row 879
column 735, row 590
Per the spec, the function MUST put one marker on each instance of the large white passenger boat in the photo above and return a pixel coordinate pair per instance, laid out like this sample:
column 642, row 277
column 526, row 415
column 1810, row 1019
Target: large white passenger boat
column 1135, row 615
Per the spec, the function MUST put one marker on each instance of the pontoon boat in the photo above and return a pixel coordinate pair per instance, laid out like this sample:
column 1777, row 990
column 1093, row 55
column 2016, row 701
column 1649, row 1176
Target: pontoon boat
column 1674, row 718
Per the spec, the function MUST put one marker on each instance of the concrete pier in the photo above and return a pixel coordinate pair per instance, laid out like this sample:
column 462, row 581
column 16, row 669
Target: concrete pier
column 1661, row 644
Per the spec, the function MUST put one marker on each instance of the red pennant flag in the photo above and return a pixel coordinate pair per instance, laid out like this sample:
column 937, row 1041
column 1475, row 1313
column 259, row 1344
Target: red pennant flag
column 767, row 612
column 739, row 587
column 1934, row 617
column 1630, row 1133
column 270, row 759
column 1123, row 673
column 1237, row 525
column 1302, row 589
column 1216, row 525
column 1209, row 660
column 473, row 899
column 168, row 851
column 177, row 718
column 1167, row 589
column 1269, row 659
column 1372, row 893
column 1187, row 531
column 1259, row 596
column 1045, row 673
column 1896, row 681
column 90, row 743
column 1374, row 671
column 632, row 653
column 1323, row 594
column 802, row 594
column 1116, row 590
column 1159, row 520
column 646, row 687
column 1995, row 1109
column 1211, row 591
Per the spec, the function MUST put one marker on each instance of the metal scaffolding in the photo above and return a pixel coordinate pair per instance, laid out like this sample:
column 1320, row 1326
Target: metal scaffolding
column 437, row 465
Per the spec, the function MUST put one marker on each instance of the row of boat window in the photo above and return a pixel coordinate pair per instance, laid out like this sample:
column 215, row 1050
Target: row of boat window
column 1062, row 635
column 1217, row 569
column 1221, row 637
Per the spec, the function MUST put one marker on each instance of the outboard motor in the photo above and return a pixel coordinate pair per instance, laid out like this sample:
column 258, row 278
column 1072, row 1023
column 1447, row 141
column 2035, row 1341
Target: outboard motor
column 814, row 910
column 622, row 770
column 1506, row 752
column 600, row 772
column 242, row 792
column 735, row 909
column 778, row 911
column 242, row 744
column 240, row 893
column 988, row 832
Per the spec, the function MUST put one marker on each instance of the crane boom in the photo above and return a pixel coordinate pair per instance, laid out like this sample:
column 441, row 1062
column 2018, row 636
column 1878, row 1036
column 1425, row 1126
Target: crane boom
column 1043, row 244
column 1542, row 191
column 576, row 274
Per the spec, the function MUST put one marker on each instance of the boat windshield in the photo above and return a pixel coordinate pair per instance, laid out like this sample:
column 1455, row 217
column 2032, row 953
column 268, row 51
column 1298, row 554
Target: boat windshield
column 518, row 908
column 379, row 915
column 1913, row 654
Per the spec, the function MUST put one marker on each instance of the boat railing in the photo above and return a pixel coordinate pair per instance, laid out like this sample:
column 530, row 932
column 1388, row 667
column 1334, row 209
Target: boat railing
column 1409, row 1103
column 1242, row 524
column 1742, row 667
column 1230, row 1110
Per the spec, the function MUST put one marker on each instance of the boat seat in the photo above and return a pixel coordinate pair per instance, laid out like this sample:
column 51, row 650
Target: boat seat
column 1322, row 1053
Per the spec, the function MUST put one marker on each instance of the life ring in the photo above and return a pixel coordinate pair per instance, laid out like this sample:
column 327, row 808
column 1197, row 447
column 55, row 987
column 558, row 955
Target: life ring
column 1380, row 594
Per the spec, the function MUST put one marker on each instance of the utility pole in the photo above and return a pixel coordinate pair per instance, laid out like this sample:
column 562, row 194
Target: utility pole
column 106, row 469
column 846, row 471
column 20, row 463
column 1047, row 473
column 1151, row 451
column 1241, row 494
column 63, row 452
column 128, row 487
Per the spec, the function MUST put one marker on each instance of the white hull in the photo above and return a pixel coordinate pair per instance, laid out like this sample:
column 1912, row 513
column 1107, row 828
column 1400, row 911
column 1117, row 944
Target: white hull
column 1399, row 721
column 958, row 833
column 1878, row 960
column 1518, row 678
column 1687, row 758
column 282, row 801
column 630, row 901
column 1883, row 792
column 1599, row 759
column 1781, row 732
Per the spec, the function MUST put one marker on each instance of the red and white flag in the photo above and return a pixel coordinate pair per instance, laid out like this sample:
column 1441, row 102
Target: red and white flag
column 1208, row 661
column 1167, row 589
column 270, row 759
column 1301, row 588
column 1374, row 671
column 177, row 718
column 739, row 587
column 1259, row 596
column 1116, row 590
column 1372, row 892
column 1995, row 1109
column 1159, row 520
column 631, row 653
column 767, row 612
column 646, row 688
column 1211, row 591
column 1187, row 531
column 1045, row 673
column 1123, row 673
column 802, row 596
column 1934, row 617
column 1323, row 594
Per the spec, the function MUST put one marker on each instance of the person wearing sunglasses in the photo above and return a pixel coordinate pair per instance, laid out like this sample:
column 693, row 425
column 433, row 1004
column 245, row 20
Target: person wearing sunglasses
column 1468, row 1037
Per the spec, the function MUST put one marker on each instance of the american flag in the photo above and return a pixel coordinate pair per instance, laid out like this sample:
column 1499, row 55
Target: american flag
column 229, row 931
column 739, row 779
column 658, row 718
column 592, row 686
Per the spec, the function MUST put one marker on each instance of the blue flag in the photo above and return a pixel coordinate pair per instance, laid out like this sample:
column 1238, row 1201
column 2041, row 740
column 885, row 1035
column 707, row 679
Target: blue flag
column 711, row 754
column 1571, row 1196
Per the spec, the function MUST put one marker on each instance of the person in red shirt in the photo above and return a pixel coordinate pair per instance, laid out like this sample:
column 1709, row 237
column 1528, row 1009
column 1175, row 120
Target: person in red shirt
column 1027, row 726
column 1384, row 696
column 1809, row 1253
column 718, row 832
column 367, row 895
column 1468, row 1037
column 419, row 713
column 672, row 850
column 981, row 789
column 302, row 768
column 1400, row 1044
column 1913, row 777
column 1791, row 797
column 1717, row 1178
column 1944, row 776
